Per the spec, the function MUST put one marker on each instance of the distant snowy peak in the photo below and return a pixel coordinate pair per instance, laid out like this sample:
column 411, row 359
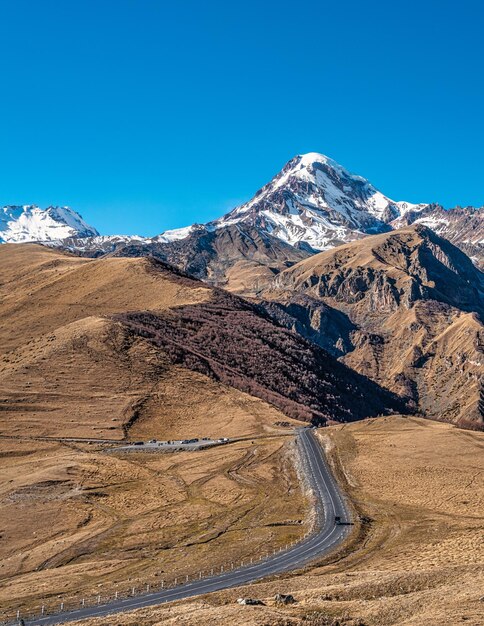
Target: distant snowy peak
column 317, row 201
column 21, row 224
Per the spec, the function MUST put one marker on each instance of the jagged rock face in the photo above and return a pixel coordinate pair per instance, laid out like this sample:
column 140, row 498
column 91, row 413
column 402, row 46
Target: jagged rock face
column 413, row 305
column 359, row 284
column 464, row 227
column 388, row 271
column 313, row 319
column 432, row 354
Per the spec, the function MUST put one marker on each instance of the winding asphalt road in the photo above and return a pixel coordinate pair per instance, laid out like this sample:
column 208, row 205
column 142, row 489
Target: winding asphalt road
column 329, row 502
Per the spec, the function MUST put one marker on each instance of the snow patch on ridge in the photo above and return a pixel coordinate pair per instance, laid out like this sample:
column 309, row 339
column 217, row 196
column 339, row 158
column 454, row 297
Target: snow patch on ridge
column 176, row 234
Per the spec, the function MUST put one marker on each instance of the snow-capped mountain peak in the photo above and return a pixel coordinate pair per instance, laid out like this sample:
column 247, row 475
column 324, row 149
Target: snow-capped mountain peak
column 315, row 200
column 20, row 224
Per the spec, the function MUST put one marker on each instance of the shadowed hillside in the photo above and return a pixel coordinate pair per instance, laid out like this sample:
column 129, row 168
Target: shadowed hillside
column 232, row 341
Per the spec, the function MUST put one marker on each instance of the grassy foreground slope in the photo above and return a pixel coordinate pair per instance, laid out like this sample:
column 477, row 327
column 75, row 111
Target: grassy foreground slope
column 75, row 520
column 420, row 554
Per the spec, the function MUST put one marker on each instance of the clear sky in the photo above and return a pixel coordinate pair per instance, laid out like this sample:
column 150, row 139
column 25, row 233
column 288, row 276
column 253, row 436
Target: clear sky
column 145, row 115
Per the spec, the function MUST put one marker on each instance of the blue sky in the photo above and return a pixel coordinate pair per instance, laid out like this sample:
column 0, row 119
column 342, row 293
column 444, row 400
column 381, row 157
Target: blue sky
column 145, row 115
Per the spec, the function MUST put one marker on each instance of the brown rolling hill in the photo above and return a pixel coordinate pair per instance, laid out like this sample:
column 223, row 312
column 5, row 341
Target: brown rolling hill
column 88, row 345
column 404, row 308
column 66, row 369
column 42, row 289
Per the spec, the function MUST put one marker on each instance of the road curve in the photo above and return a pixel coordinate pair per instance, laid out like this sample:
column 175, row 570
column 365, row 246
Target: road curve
column 329, row 502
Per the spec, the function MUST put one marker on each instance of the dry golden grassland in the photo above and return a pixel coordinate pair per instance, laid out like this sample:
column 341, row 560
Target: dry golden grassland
column 66, row 370
column 43, row 289
column 419, row 557
column 77, row 521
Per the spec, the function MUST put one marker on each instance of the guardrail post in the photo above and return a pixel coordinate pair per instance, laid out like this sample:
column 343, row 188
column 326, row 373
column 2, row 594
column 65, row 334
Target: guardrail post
column 99, row 599
column 83, row 602
column 176, row 580
column 62, row 607
column 42, row 610
column 147, row 587
column 132, row 591
column 162, row 584
column 18, row 615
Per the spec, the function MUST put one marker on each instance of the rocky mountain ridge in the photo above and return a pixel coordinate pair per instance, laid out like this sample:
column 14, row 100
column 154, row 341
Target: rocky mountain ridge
column 404, row 308
column 317, row 201
column 313, row 204
column 464, row 227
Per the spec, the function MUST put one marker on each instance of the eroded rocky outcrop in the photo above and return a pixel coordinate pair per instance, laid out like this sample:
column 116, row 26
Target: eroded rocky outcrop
column 413, row 306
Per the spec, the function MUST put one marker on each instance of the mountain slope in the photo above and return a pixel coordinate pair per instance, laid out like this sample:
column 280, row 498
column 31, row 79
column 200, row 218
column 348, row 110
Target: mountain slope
column 404, row 308
column 237, row 257
column 20, row 224
column 232, row 341
column 78, row 345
